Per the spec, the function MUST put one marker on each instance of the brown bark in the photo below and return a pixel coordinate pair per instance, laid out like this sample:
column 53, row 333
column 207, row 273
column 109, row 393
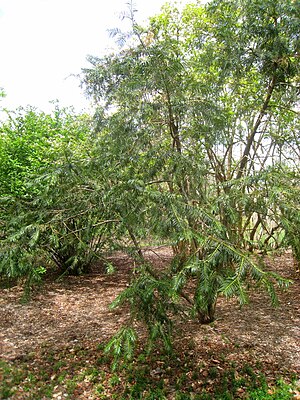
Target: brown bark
column 244, row 160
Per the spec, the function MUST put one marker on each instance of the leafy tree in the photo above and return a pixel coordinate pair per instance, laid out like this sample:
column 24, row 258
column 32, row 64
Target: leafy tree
column 46, row 217
column 197, row 111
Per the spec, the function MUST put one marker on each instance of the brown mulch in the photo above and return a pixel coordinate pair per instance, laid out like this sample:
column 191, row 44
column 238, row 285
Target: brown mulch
column 75, row 311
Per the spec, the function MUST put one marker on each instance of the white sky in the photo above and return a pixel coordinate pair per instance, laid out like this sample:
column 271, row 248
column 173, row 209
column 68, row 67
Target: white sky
column 43, row 42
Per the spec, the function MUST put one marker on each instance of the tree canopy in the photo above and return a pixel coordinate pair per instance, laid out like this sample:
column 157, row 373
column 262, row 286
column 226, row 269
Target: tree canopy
column 201, row 108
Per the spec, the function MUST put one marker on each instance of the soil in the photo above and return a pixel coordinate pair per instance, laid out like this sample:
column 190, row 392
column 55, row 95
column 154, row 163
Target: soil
column 63, row 314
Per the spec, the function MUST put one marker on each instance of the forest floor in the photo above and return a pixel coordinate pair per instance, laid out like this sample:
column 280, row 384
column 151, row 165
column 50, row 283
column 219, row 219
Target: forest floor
column 52, row 346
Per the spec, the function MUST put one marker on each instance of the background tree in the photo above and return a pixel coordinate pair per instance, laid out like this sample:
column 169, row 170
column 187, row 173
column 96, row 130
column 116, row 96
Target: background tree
column 48, row 217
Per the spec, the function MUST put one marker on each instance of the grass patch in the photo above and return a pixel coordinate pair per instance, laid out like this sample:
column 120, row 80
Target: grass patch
column 161, row 376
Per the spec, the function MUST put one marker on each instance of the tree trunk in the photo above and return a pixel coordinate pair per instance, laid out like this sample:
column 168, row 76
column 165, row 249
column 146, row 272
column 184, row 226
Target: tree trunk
column 207, row 316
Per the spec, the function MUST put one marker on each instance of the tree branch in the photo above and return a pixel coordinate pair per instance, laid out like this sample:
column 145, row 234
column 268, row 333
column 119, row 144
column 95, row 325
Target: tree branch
column 244, row 160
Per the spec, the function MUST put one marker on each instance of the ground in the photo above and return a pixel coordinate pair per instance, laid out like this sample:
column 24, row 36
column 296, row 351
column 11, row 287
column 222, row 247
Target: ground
column 63, row 328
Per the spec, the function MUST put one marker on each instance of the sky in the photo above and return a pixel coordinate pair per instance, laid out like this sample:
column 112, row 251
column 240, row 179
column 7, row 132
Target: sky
column 44, row 43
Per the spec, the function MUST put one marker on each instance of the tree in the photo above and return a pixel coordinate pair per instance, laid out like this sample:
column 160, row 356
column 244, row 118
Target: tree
column 200, row 107
column 47, row 219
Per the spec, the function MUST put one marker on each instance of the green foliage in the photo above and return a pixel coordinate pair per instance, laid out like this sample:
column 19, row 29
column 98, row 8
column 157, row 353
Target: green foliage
column 205, row 138
column 289, row 191
column 281, row 391
column 30, row 141
column 48, row 216
column 122, row 345
column 152, row 299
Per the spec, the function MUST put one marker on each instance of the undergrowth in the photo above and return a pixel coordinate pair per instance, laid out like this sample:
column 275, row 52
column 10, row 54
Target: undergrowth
column 75, row 372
